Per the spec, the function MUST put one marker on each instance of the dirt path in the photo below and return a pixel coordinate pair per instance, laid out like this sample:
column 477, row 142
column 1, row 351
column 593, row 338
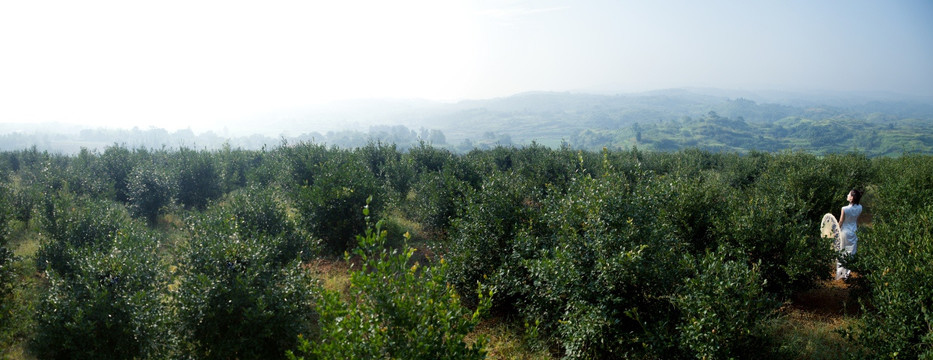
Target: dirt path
column 831, row 298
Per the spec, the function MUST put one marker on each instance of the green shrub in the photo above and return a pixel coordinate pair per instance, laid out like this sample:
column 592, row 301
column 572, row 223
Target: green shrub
column 71, row 225
column 108, row 307
column 772, row 226
column 553, row 170
column 497, row 159
column 117, row 163
column 330, row 206
column 149, row 189
column 397, row 311
column 6, row 214
column 723, row 309
column 481, row 238
column 257, row 213
column 8, row 284
column 196, row 178
column 427, row 158
column 23, row 200
column 233, row 167
column 693, row 206
column 595, row 273
column 904, row 185
column 80, row 174
column 302, row 161
column 820, row 185
column 7, row 272
column 895, row 259
column 389, row 167
column 273, row 167
column 235, row 301
column 437, row 196
column 740, row 171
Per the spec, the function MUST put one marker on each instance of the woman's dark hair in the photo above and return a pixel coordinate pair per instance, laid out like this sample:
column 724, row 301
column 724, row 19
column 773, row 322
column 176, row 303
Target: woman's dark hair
column 856, row 196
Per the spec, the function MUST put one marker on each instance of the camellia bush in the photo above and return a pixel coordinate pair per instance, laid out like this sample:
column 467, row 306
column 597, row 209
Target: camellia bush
column 7, row 274
column 149, row 189
column 105, row 301
column 197, row 178
column 236, row 297
column 258, row 213
column 73, row 225
column 436, row 199
column 397, row 310
column 391, row 169
column 117, row 163
column 772, row 227
column 330, row 205
column 599, row 270
column 482, row 237
column 606, row 268
column 895, row 258
column 723, row 307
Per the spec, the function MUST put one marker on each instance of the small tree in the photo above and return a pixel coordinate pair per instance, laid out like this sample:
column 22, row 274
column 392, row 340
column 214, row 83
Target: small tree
column 108, row 306
column 117, row 164
column 72, row 224
column 398, row 311
column 197, row 178
column 330, row 205
column 237, row 299
column 723, row 308
column 149, row 189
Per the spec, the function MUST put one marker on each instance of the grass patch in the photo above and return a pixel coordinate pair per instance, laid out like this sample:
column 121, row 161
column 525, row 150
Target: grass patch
column 333, row 274
column 506, row 340
column 812, row 325
column 23, row 241
column 805, row 335
column 17, row 351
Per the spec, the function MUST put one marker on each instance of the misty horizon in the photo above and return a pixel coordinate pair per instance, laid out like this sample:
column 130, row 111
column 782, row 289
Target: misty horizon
column 199, row 65
column 358, row 114
column 711, row 119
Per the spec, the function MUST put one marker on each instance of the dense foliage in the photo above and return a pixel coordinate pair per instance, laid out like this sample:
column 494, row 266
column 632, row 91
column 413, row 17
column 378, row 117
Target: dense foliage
column 142, row 253
column 399, row 310
column 7, row 274
column 105, row 284
column 896, row 257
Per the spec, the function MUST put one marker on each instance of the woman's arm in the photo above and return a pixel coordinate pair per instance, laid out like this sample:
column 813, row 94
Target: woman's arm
column 842, row 216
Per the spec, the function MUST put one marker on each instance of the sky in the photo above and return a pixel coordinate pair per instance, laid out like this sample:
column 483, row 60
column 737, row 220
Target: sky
column 177, row 64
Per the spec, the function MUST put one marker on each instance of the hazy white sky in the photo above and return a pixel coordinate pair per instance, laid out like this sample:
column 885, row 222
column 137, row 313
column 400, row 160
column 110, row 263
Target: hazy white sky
column 189, row 63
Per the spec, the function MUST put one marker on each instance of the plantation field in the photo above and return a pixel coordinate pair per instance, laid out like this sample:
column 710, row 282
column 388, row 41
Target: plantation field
column 316, row 252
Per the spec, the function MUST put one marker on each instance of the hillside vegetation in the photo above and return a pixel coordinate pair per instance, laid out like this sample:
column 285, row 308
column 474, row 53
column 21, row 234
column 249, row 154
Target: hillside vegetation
column 873, row 124
column 156, row 253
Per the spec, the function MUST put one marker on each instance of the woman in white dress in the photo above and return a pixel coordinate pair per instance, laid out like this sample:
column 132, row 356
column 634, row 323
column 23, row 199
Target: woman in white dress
column 847, row 227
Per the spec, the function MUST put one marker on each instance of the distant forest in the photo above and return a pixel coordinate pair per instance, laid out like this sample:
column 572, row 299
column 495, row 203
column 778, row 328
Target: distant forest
column 877, row 125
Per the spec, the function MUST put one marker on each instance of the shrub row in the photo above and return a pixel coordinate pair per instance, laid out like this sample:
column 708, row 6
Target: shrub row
column 237, row 291
column 624, row 253
column 638, row 256
column 895, row 258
